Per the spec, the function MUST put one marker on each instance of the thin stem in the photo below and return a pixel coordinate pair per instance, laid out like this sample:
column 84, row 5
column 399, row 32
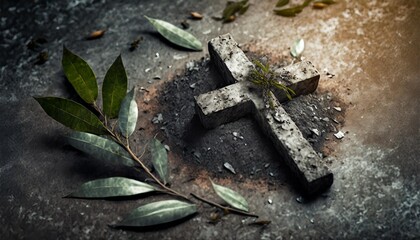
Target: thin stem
column 226, row 209
column 146, row 169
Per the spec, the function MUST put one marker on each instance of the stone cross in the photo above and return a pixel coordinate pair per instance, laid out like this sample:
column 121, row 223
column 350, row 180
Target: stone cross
column 242, row 97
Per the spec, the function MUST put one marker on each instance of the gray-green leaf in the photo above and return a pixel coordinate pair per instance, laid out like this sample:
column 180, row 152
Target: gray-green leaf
column 100, row 148
column 112, row 187
column 175, row 34
column 80, row 75
column 71, row 114
column 231, row 197
column 158, row 213
column 297, row 49
column 127, row 118
column 160, row 160
column 114, row 88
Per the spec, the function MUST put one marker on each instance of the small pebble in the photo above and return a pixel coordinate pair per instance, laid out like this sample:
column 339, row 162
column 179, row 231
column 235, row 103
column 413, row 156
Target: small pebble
column 229, row 167
column 339, row 135
column 338, row 109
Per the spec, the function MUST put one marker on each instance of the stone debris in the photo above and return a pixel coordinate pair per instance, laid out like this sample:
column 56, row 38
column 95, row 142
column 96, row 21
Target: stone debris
column 167, row 147
column 315, row 131
column 266, row 165
column 270, row 201
column 207, row 32
column 339, row 135
column 156, row 55
column 192, row 86
column 147, row 70
column 157, row 77
column 191, row 66
column 229, row 167
column 179, row 56
column 237, row 135
column 338, row 109
column 157, row 119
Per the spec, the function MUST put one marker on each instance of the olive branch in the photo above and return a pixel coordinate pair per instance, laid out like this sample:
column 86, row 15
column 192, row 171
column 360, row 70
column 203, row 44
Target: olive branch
column 105, row 135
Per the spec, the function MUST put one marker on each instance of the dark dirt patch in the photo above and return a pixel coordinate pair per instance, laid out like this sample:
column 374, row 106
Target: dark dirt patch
column 240, row 143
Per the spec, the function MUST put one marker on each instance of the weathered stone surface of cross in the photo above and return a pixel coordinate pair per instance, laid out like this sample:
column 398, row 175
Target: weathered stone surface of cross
column 242, row 97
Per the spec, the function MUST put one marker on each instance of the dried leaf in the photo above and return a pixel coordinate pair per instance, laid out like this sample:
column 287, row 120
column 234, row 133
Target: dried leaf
column 135, row 44
column 160, row 160
column 71, row 114
column 176, row 35
column 100, row 148
column 95, row 34
column 297, row 49
column 114, row 88
column 127, row 118
column 289, row 12
column 80, row 75
column 281, row 3
column 319, row 5
column 112, row 187
column 196, row 15
column 231, row 197
column 158, row 213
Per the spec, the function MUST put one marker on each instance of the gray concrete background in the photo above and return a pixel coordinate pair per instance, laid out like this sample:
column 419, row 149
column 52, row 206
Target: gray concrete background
column 372, row 47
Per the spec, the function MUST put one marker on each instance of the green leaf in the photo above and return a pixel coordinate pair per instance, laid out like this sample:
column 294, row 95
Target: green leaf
column 297, row 49
column 158, row 213
column 112, row 187
column 289, row 12
column 71, row 114
column 127, row 118
column 114, row 88
column 329, row 2
column 160, row 160
column 281, row 3
column 234, row 7
column 100, row 148
column 80, row 75
column 175, row 34
column 231, row 197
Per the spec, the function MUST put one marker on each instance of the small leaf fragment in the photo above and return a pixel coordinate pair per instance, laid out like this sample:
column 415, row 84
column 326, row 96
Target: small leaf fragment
column 231, row 197
column 71, row 114
column 111, row 187
column 114, row 88
column 328, row 2
column 158, row 213
column 175, row 34
column 160, row 160
column 196, row 15
column 289, row 12
column 281, row 3
column 297, row 49
column 96, row 34
column 232, row 8
column 127, row 117
column 319, row 5
column 100, row 148
column 80, row 75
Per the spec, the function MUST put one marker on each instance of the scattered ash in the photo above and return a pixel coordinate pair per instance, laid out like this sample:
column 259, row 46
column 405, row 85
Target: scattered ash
column 240, row 144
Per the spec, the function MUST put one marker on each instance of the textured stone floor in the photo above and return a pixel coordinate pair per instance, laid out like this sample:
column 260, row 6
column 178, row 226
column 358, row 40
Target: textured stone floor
column 372, row 48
